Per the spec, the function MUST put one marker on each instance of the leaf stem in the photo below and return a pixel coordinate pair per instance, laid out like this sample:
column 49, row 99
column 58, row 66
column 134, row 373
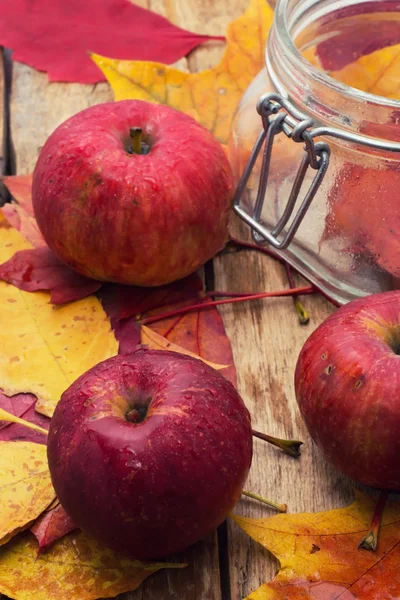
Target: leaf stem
column 218, row 294
column 205, row 305
column 301, row 311
column 8, row 417
column 370, row 540
column 276, row 505
column 290, row 447
column 252, row 246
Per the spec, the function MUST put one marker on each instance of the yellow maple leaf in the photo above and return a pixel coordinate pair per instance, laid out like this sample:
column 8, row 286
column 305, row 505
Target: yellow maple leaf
column 318, row 553
column 75, row 568
column 155, row 341
column 377, row 73
column 25, row 486
column 44, row 348
column 211, row 96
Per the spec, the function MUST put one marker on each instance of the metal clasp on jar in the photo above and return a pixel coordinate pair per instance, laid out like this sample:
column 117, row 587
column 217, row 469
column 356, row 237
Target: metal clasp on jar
column 316, row 156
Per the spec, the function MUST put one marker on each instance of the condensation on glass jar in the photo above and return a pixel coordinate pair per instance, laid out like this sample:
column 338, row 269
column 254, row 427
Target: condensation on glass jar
column 316, row 162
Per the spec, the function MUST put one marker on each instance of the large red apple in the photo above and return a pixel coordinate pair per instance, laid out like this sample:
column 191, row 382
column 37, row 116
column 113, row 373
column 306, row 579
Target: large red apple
column 114, row 213
column 149, row 452
column 347, row 384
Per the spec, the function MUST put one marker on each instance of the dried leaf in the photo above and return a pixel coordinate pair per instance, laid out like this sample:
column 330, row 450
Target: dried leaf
column 336, row 51
column 51, row 346
column 10, row 418
column 20, row 212
column 51, row 526
column 376, row 73
column 38, row 269
column 319, row 558
column 201, row 332
column 155, row 341
column 358, row 231
column 25, row 486
column 210, row 96
column 22, row 406
column 76, row 568
column 122, row 301
column 39, row 32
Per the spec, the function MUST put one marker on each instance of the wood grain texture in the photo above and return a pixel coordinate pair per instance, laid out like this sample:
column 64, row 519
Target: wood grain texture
column 267, row 338
column 38, row 107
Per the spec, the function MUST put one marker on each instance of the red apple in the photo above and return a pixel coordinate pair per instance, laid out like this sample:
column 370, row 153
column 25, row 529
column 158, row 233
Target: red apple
column 149, row 452
column 347, row 384
column 112, row 213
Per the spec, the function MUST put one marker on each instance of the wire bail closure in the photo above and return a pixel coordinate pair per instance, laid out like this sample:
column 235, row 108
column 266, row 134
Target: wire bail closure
column 316, row 156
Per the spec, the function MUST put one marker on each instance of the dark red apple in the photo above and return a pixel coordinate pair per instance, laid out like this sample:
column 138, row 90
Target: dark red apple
column 347, row 384
column 149, row 452
column 115, row 209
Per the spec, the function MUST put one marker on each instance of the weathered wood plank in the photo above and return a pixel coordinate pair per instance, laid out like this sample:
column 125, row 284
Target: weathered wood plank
column 38, row 107
column 266, row 339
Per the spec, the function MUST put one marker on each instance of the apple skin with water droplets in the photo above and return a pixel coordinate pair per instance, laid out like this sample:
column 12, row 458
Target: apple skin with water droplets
column 114, row 214
column 149, row 452
column 347, row 384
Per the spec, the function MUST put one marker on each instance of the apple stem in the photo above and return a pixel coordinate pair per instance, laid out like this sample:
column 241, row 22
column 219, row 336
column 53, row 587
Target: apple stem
column 276, row 505
column 370, row 540
column 136, row 135
column 203, row 306
column 301, row 311
column 290, row 447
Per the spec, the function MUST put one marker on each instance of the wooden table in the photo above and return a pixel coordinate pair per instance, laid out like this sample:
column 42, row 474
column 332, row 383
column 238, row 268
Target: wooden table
column 265, row 335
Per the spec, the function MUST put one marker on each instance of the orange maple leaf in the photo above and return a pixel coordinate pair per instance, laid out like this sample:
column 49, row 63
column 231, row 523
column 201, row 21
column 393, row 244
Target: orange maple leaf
column 377, row 73
column 75, row 568
column 211, row 96
column 318, row 554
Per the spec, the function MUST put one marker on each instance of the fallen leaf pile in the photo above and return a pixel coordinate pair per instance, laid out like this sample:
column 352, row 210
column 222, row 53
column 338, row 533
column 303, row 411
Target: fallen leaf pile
column 77, row 568
column 21, row 406
column 67, row 323
column 39, row 33
column 50, row 348
column 318, row 554
column 25, row 486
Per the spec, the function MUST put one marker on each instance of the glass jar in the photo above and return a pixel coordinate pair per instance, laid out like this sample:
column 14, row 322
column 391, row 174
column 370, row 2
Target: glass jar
column 316, row 162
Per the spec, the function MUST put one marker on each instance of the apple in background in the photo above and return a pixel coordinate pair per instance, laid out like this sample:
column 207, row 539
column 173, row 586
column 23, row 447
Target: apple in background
column 149, row 452
column 347, row 384
column 133, row 192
